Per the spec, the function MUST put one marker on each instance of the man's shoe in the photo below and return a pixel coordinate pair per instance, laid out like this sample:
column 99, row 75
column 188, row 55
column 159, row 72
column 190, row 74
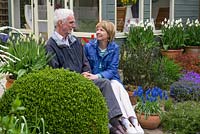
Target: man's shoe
column 114, row 130
column 120, row 128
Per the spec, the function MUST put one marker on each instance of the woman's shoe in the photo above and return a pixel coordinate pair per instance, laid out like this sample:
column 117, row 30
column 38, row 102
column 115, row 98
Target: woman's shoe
column 130, row 129
column 136, row 124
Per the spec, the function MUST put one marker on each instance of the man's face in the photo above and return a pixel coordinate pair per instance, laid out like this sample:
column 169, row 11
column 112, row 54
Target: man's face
column 68, row 25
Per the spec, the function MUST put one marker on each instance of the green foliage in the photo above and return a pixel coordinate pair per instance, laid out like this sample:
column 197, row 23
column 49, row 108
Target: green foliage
column 137, row 68
column 67, row 101
column 141, row 35
column 149, row 108
column 182, row 118
column 29, row 54
column 168, row 104
column 165, row 72
column 140, row 52
column 142, row 63
column 172, row 34
column 192, row 31
column 11, row 124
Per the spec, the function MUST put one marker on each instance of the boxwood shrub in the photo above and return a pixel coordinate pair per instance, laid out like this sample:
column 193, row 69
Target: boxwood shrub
column 182, row 118
column 67, row 101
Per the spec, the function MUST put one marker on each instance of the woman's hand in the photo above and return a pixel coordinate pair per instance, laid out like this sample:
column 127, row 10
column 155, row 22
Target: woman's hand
column 90, row 76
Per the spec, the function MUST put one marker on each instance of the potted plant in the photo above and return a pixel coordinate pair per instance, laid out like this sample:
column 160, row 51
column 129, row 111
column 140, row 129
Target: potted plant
column 172, row 38
column 192, row 40
column 148, row 107
column 30, row 56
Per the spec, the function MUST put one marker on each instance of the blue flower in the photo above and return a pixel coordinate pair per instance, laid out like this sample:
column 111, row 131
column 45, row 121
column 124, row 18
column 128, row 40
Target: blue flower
column 149, row 101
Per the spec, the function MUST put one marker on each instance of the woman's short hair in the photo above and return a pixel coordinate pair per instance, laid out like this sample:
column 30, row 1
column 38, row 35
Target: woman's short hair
column 62, row 14
column 109, row 27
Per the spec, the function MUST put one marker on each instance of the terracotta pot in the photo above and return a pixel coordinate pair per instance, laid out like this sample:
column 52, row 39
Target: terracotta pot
column 152, row 121
column 172, row 54
column 192, row 50
column 132, row 98
column 9, row 81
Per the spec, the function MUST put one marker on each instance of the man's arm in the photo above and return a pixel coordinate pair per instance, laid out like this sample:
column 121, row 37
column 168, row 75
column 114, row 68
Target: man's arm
column 54, row 60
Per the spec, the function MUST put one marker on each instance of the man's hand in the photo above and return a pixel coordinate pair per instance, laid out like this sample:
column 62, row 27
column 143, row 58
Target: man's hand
column 89, row 76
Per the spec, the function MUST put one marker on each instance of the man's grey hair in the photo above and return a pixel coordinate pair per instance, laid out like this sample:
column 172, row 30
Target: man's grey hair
column 62, row 14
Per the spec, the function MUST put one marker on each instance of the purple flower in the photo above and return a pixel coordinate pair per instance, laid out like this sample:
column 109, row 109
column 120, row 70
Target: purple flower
column 191, row 76
column 4, row 37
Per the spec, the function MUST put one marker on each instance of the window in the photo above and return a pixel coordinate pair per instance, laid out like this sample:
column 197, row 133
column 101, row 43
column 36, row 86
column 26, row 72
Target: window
column 86, row 15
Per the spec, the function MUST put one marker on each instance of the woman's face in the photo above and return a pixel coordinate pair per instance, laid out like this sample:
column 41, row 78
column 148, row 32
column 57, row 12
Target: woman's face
column 101, row 34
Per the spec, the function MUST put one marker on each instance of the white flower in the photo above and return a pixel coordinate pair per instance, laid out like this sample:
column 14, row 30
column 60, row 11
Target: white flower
column 188, row 21
column 168, row 22
column 165, row 25
column 196, row 21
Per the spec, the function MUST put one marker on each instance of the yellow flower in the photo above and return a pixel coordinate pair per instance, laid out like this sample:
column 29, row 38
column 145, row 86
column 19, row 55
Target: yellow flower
column 128, row 2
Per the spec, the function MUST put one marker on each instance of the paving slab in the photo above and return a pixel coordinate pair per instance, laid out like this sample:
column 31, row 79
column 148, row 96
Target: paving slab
column 155, row 131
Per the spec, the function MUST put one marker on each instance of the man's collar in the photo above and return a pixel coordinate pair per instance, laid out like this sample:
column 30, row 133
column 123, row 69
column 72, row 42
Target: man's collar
column 63, row 43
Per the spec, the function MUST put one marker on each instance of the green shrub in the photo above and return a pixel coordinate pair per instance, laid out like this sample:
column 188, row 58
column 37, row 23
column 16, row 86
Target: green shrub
column 182, row 118
column 138, row 55
column 67, row 101
column 165, row 72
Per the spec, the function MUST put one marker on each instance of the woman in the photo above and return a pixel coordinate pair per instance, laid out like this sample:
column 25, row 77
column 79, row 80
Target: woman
column 103, row 56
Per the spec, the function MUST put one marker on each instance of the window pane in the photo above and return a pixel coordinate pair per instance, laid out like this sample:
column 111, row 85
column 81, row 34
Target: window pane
column 19, row 9
column 3, row 13
column 86, row 15
column 160, row 11
column 42, row 10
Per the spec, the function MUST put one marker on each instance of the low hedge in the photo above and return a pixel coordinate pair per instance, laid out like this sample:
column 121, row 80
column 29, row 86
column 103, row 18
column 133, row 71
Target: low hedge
column 182, row 118
column 67, row 101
